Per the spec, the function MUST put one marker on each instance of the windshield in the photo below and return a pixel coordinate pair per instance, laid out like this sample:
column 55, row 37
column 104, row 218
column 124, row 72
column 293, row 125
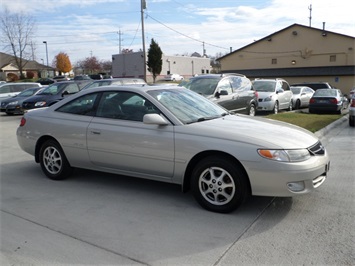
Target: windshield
column 204, row 86
column 187, row 106
column 51, row 90
column 266, row 86
column 28, row 92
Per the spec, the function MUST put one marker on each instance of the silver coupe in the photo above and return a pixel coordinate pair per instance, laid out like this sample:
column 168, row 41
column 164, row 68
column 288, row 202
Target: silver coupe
column 174, row 135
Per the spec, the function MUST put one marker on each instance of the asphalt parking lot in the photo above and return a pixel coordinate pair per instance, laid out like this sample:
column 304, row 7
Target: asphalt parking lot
column 101, row 219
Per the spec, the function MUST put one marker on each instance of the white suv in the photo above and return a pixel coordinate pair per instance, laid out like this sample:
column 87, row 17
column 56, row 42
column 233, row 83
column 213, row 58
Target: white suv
column 12, row 89
column 273, row 94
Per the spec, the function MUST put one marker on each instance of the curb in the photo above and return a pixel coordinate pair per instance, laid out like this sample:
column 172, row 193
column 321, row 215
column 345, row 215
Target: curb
column 324, row 131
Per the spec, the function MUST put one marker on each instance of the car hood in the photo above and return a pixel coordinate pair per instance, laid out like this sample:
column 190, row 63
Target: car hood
column 264, row 94
column 259, row 131
column 39, row 97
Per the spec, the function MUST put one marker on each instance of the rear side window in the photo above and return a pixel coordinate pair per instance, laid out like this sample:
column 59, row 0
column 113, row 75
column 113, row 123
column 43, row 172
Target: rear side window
column 241, row 84
column 5, row 89
column 84, row 105
column 285, row 86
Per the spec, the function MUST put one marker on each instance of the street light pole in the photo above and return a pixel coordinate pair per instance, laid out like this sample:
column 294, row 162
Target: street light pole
column 46, row 51
column 143, row 6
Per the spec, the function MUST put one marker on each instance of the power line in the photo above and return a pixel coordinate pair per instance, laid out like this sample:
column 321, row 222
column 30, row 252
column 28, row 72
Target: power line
column 182, row 34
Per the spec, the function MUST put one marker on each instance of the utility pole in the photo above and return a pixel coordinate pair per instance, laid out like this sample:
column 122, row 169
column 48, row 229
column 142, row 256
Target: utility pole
column 310, row 15
column 143, row 6
column 119, row 41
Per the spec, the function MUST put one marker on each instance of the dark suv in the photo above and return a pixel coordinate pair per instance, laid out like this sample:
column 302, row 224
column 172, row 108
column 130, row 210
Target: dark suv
column 52, row 94
column 314, row 85
column 232, row 91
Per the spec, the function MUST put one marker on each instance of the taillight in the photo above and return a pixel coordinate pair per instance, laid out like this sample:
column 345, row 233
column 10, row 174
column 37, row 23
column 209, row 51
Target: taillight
column 335, row 101
column 312, row 100
column 22, row 122
column 352, row 103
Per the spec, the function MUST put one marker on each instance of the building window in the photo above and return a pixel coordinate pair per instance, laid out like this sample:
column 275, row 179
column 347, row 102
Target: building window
column 274, row 61
column 333, row 58
column 202, row 71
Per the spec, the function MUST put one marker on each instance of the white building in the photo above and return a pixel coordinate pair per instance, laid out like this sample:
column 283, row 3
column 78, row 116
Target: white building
column 131, row 65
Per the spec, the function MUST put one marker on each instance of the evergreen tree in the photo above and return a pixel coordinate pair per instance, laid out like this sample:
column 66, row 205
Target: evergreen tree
column 155, row 61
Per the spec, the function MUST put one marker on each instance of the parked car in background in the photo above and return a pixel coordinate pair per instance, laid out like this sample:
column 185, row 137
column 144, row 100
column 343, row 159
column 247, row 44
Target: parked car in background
column 51, row 95
column 46, row 81
column 13, row 105
column 61, row 78
column 273, row 95
column 96, row 76
column 172, row 134
column 173, row 77
column 13, row 88
column 351, row 93
column 328, row 100
column 352, row 111
column 314, row 85
column 2, row 82
column 82, row 77
column 116, row 81
column 232, row 91
column 301, row 96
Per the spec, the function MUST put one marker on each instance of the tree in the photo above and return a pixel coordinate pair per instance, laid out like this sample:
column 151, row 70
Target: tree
column 90, row 65
column 16, row 33
column 62, row 63
column 155, row 61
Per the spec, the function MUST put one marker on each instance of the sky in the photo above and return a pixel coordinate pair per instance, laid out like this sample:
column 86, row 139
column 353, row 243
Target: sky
column 85, row 28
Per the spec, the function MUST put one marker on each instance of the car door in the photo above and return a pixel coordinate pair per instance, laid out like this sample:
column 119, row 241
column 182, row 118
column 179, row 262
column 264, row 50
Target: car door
column 225, row 96
column 118, row 139
column 306, row 95
column 242, row 88
column 284, row 94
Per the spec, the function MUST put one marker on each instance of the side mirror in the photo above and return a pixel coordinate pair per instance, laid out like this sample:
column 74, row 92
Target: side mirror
column 65, row 93
column 223, row 92
column 154, row 119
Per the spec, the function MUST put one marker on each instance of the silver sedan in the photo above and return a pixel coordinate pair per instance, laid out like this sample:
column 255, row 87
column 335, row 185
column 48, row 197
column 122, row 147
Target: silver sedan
column 174, row 135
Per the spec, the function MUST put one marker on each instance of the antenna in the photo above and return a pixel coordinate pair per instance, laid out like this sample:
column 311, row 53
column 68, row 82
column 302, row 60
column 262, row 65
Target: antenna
column 310, row 15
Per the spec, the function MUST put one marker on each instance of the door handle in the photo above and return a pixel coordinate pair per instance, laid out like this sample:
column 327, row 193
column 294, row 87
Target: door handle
column 95, row 132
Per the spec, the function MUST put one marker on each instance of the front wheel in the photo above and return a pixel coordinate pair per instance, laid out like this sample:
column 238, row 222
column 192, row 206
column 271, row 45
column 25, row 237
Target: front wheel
column 352, row 121
column 53, row 161
column 219, row 185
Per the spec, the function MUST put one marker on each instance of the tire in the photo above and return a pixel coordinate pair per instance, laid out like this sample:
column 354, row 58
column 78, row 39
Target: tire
column 219, row 185
column 252, row 110
column 276, row 108
column 352, row 121
column 53, row 161
column 298, row 105
column 290, row 106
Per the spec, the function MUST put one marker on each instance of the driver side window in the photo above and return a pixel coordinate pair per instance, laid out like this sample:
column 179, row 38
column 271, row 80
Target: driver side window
column 224, row 84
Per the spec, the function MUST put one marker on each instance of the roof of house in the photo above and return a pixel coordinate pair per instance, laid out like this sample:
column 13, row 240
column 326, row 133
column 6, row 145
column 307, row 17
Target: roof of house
column 6, row 59
column 284, row 29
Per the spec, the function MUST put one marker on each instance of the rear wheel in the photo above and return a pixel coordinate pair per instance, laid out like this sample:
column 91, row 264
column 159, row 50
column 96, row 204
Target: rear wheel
column 290, row 106
column 219, row 184
column 298, row 104
column 276, row 108
column 252, row 110
column 53, row 161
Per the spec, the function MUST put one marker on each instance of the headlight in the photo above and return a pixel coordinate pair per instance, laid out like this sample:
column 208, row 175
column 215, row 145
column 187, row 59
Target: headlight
column 13, row 103
column 268, row 99
column 40, row 103
column 285, row 155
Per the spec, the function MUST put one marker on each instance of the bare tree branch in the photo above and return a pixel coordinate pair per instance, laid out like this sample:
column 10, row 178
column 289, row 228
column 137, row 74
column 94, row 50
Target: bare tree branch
column 16, row 35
